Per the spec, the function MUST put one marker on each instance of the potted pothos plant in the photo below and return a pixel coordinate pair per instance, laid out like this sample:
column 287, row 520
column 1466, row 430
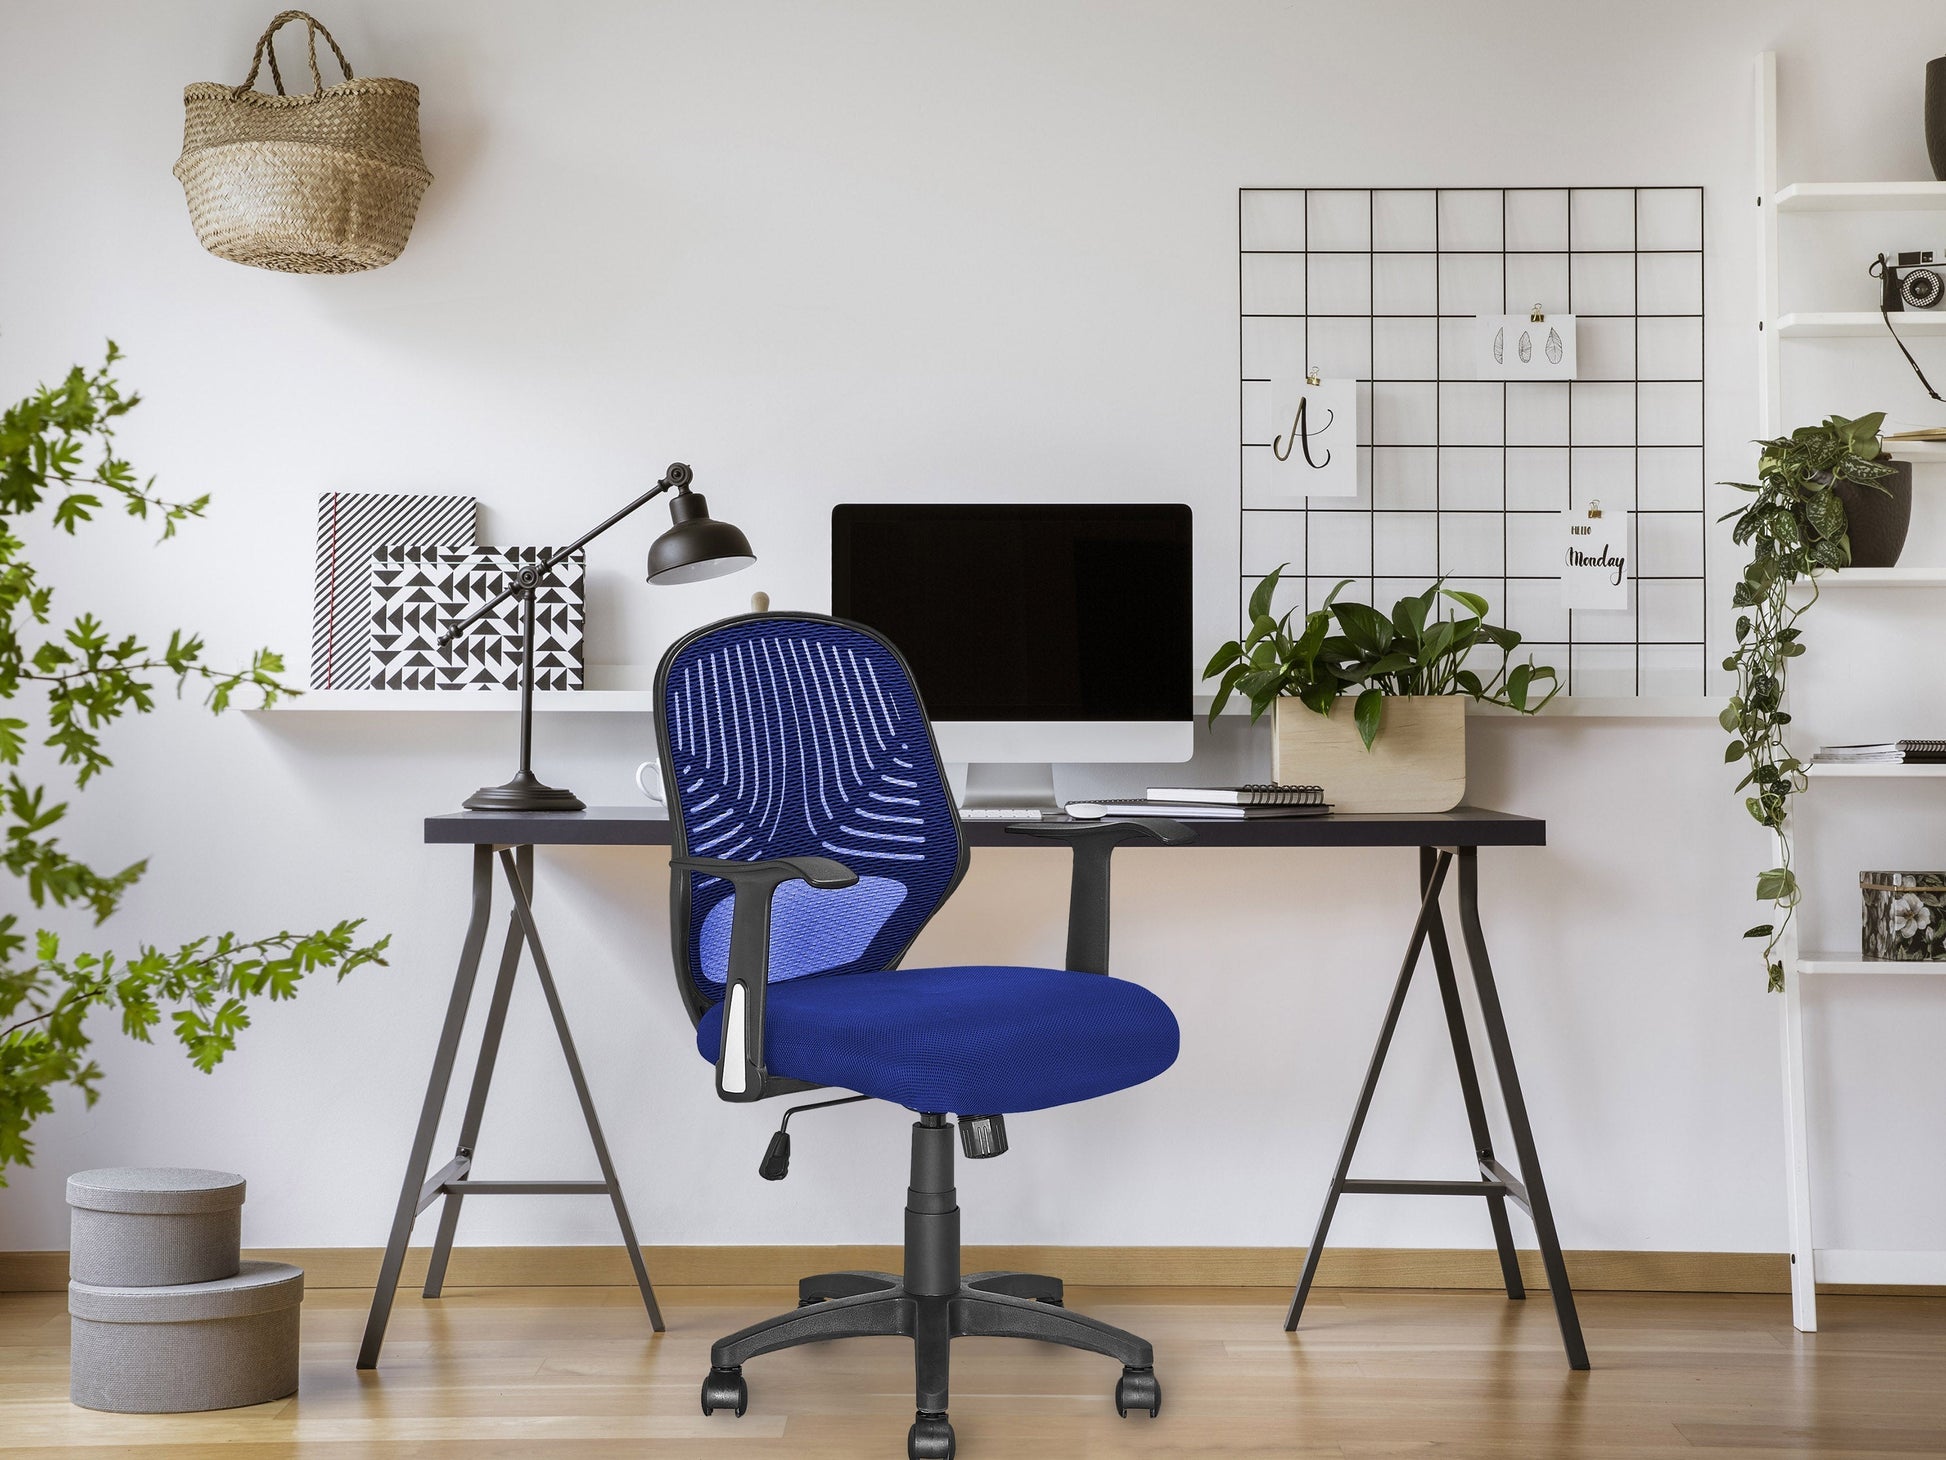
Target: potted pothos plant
column 1797, row 523
column 1371, row 706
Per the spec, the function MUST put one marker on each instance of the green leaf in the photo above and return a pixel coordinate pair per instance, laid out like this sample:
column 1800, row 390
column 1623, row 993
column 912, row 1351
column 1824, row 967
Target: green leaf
column 1518, row 679
column 1260, row 597
column 1366, row 627
column 1223, row 658
column 1368, row 711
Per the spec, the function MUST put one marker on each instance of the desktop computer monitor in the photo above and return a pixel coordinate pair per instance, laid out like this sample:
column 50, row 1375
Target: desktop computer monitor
column 1037, row 633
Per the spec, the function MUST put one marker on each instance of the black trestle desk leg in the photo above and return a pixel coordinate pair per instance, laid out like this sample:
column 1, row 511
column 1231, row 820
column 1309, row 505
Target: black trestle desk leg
column 1428, row 911
column 436, row 1087
column 1469, row 1078
column 469, row 1130
column 525, row 916
column 1503, row 1061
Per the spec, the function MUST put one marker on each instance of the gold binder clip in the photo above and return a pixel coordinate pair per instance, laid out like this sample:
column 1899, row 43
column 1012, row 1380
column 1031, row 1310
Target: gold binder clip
column 1537, row 317
column 1594, row 507
column 1311, row 376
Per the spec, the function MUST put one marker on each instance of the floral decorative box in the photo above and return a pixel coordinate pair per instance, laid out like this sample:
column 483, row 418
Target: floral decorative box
column 1905, row 915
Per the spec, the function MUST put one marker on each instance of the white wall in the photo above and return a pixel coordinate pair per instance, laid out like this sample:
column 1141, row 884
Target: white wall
column 880, row 250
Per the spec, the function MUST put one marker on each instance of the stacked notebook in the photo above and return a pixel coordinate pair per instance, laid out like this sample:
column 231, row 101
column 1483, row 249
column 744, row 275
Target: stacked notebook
column 1219, row 803
column 1896, row 752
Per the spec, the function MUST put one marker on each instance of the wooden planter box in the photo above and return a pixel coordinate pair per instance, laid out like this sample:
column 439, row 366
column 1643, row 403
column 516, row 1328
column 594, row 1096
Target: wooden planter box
column 1417, row 764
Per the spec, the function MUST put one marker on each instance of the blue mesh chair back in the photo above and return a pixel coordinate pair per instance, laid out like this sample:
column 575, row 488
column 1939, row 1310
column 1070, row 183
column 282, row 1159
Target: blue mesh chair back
column 791, row 734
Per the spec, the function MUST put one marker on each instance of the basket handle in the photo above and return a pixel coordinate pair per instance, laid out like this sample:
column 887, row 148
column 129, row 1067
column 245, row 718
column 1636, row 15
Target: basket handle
column 267, row 48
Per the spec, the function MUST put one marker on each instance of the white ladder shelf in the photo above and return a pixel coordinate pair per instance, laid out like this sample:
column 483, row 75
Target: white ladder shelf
column 1809, row 1262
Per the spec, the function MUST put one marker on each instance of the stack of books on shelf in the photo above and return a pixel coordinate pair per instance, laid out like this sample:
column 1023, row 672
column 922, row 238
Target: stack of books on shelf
column 1214, row 803
column 1894, row 752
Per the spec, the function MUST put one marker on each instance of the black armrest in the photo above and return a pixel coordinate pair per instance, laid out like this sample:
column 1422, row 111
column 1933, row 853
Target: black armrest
column 1094, row 842
column 747, row 980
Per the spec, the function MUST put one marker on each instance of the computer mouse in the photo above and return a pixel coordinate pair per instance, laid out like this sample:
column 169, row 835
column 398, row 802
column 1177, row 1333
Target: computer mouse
column 1086, row 811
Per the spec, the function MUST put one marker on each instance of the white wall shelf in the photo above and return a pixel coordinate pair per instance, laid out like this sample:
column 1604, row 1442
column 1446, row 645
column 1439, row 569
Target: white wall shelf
column 1915, row 451
column 1854, row 963
column 1859, row 197
column 461, row 702
column 642, row 702
column 1827, row 325
column 1878, row 578
column 1876, row 772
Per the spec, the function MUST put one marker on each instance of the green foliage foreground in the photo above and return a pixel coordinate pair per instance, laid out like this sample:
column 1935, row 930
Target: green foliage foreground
column 77, row 680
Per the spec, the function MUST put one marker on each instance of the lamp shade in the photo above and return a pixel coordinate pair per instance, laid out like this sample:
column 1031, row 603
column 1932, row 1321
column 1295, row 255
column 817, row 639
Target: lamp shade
column 697, row 546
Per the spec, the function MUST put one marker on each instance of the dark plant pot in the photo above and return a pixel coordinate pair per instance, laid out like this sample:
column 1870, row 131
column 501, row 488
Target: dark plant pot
column 1878, row 520
column 1936, row 116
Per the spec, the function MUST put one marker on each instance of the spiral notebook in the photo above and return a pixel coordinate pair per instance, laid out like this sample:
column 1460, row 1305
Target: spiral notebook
column 1260, row 794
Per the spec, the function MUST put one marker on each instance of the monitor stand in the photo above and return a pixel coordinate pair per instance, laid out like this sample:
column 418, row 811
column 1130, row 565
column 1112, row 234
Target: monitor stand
column 1010, row 786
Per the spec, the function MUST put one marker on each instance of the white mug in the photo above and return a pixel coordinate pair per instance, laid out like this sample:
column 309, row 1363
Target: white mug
column 648, row 778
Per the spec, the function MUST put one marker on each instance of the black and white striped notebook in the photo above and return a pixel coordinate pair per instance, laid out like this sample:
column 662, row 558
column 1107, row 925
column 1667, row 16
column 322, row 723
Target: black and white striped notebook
column 351, row 527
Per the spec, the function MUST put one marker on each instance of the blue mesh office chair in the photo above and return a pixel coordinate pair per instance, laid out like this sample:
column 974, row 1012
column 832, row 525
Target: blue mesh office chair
column 813, row 837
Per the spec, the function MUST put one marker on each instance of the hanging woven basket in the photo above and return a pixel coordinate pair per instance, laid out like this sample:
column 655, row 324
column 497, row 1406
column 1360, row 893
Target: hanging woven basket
column 327, row 183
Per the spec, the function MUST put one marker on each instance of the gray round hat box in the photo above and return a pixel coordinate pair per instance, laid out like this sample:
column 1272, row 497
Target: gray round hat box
column 154, row 1226
column 160, row 1350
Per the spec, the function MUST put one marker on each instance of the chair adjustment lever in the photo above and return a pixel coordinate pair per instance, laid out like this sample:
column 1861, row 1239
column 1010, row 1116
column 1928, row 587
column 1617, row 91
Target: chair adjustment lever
column 776, row 1164
column 983, row 1136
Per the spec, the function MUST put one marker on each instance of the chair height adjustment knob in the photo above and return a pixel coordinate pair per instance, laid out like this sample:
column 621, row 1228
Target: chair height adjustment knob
column 983, row 1136
column 776, row 1164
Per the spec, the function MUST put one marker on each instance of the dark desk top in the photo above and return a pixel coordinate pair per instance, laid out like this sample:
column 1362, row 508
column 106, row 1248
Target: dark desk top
column 648, row 826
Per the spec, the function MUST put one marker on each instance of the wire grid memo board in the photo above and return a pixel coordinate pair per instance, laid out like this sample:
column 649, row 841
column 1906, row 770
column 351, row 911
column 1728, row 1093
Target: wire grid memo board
column 1467, row 478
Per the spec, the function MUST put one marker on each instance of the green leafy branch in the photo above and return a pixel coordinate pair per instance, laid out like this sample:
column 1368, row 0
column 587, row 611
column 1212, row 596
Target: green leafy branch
column 87, row 677
column 204, row 987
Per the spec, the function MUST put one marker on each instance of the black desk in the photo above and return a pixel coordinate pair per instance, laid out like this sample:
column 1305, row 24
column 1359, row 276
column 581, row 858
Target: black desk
column 1442, row 839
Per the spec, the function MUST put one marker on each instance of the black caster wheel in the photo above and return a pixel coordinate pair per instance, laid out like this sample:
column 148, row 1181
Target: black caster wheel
column 1054, row 1302
column 1138, row 1389
column 930, row 1438
column 809, row 1302
column 725, row 1389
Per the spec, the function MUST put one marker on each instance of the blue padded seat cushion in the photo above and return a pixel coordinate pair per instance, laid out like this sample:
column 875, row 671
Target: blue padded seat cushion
column 963, row 1041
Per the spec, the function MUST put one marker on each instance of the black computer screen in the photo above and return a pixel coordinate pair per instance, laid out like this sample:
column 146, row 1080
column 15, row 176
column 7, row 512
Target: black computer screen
column 1031, row 612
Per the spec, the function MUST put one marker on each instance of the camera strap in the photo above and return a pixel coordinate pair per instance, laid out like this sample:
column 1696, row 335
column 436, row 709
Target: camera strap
column 1879, row 270
column 1887, row 317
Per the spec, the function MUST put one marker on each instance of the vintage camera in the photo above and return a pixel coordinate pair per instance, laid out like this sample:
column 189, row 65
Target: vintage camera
column 1913, row 280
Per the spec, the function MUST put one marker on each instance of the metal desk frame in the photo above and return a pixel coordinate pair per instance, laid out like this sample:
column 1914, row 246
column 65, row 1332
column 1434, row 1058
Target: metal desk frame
column 453, row 1182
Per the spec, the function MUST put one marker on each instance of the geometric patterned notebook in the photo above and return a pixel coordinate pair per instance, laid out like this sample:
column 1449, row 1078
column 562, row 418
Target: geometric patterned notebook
column 417, row 593
column 351, row 525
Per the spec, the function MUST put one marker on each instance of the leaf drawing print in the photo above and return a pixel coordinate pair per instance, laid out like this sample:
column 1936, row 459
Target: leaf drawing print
column 1500, row 346
column 1526, row 347
column 1553, row 347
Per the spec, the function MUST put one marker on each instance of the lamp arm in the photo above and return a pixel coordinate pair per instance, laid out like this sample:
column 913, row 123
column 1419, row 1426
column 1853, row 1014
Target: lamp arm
column 677, row 478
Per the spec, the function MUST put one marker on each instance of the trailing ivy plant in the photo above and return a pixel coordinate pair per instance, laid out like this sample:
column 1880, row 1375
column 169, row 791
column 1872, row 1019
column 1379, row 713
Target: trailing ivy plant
column 62, row 686
column 1794, row 525
column 1413, row 651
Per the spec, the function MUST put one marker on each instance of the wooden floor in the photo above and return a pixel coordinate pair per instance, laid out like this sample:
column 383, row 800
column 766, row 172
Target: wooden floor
column 573, row 1372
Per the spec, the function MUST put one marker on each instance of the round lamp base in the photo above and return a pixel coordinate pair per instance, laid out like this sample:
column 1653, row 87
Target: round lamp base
column 523, row 793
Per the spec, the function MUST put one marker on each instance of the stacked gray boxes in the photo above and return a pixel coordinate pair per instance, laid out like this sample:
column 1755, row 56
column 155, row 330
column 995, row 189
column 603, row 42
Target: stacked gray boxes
column 166, row 1317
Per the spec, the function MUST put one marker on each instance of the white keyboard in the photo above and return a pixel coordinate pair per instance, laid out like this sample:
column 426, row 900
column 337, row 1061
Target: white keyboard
column 1001, row 813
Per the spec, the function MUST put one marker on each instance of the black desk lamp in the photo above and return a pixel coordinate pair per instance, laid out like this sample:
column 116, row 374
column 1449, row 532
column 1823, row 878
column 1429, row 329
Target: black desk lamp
column 697, row 546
